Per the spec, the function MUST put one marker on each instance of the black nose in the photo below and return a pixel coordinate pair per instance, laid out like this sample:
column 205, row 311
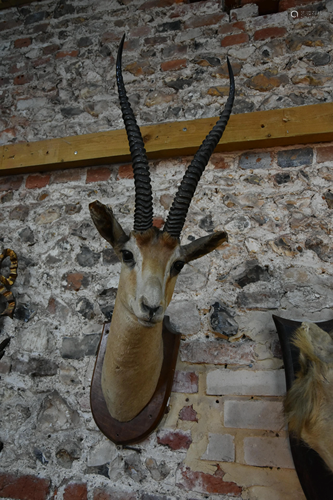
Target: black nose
column 150, row 310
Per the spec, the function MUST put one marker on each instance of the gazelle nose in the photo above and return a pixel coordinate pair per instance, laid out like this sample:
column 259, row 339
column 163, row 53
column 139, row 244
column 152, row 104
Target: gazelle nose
column 149, row 309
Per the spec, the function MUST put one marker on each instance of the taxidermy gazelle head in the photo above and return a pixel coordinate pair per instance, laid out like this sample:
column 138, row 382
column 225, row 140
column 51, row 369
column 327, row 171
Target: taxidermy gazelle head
column 151, row 261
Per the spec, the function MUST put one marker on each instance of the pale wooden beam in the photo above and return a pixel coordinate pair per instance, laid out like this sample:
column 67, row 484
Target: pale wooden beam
column 261, row 129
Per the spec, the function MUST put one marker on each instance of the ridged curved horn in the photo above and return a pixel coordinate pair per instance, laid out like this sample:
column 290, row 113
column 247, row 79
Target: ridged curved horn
column 143, row 214
column 182, row 200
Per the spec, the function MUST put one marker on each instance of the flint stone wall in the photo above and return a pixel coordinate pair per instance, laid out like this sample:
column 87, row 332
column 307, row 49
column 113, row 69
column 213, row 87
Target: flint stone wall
column 57, row 62
column 224, row 436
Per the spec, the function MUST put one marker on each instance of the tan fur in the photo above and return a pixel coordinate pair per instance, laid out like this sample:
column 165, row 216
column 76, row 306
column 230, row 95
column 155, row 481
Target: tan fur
column 134, row 352
column 309, row 402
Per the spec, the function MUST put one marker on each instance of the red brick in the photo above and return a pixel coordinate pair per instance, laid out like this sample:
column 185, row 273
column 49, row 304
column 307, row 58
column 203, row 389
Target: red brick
column 22, row 42
column 185, row 382
column 10, row 183
column 8, row 25
column 219, row 162
column 76, row 491
column 216, row 352
column 67, row 53
column 156, row 40
column 188, row 413
column 110, row 37
column 125, row 172
column 37, row 181
column 150, row 4
column 232, row 27
column 23, row 487
column 175, row 439
column 202, row 482
column 41, row 61
column 15, row 69
column 111, row 494
column 51, row 49
column 63, row 176
column 158, row 222
column 140, row 31
column 98, row 174
column 22, row 79
column 174, row 65
column 324, row 153
column 208, row 20
column 76, row 280
column 235, row 39
column 265, row 33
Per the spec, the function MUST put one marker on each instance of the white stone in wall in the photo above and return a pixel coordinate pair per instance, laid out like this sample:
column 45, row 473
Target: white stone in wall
column 220, row 447
column 104, row 452
column 268, row 452
column 246, row 382
column 254, row 414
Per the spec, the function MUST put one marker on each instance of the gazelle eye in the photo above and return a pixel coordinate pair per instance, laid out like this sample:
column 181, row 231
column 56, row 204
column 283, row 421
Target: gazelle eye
column 177, row 266
column 128, row 257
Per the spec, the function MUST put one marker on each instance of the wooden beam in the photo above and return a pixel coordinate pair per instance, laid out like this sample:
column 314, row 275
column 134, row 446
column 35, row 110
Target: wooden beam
column 261, row 129
column 6, row 4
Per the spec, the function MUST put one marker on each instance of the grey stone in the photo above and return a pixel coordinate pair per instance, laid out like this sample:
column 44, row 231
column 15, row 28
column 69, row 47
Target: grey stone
column 35, row 367
column 86, row 308
column 55, row 414
column 242, row 106
column 24, row 312
column 87, row 258
column 84, row 41
column 69, row 112
column 282, row 178
column 67, row 453
column 253, row 179
column 221, row 320
column 5, row 198
column 220, row 447
column 109, row 256
column 180, row 83
column 62, row 9
column 329, row 199
column 184, row 317
column 261, row 296
column 102, row 453
column 324, row 251
column 207, row 223
column 73, row 208
column 171, row 26
column 295, row 157
column 248, row 10
column 252, row 273
column 77, row 348
column 84, row 231
column 36, row 17
column 320, row 58
column 20, row 213
column 134, row 468
column 158, row 471
column 252, row 161
column 27, row 235
column 105, row 51
column 40, row 456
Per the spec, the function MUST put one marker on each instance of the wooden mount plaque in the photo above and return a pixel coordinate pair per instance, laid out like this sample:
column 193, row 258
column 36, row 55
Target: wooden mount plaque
column 147, row 420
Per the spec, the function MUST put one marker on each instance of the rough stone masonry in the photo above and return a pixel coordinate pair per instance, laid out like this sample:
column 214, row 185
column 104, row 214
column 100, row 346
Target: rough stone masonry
column 224, row 436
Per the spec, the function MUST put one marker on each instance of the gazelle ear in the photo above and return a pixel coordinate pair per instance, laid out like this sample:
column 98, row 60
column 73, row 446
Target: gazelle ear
column 107, row 225
column 204, row 245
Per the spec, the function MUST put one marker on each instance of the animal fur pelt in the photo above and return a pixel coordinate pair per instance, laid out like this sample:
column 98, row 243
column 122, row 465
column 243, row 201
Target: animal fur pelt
column 309, row 403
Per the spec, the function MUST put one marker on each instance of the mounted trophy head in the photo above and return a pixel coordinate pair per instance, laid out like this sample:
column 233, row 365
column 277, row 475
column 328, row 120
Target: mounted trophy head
column 151, row 261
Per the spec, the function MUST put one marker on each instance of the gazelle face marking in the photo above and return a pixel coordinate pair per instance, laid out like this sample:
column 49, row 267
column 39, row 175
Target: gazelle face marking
column 149, row 272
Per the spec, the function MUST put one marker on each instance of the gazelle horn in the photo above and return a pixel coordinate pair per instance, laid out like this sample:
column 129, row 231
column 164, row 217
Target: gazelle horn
column 143, row 214
column 178, row 211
